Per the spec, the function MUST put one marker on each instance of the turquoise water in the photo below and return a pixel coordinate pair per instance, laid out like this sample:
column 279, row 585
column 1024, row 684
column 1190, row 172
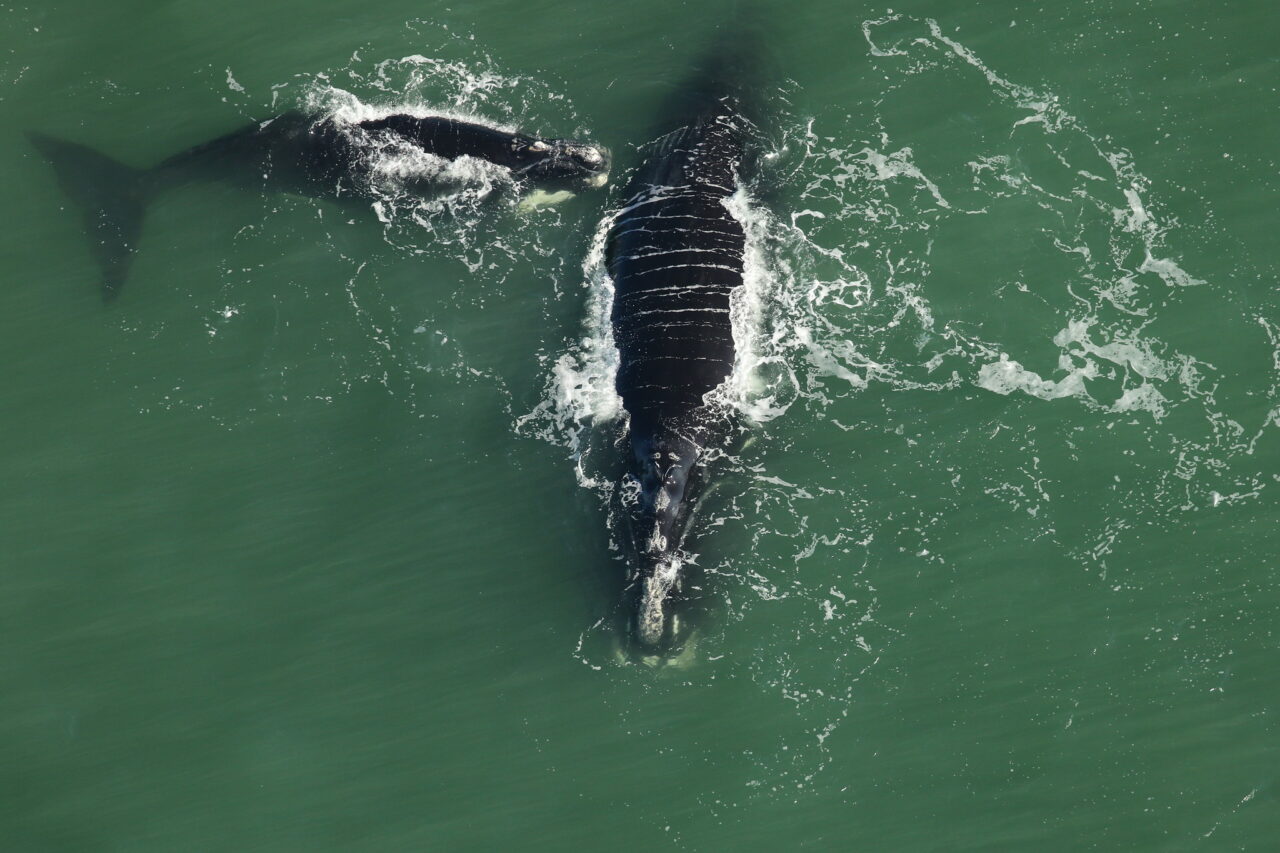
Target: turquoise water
column 306, row 541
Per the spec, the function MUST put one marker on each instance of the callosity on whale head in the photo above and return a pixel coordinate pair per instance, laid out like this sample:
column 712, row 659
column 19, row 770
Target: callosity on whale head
column 565, row 164
column 664, row 590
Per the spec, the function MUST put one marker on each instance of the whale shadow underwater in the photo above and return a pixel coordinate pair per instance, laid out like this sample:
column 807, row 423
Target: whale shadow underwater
column 675, row 251
column 318, row 157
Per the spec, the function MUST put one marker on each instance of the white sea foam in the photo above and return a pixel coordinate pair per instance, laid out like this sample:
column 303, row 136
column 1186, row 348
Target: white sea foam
column 898, row 164
column 583, row 386
column 1006, row 376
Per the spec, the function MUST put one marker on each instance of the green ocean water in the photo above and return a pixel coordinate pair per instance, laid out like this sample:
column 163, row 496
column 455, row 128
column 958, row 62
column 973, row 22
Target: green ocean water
column 305, row 540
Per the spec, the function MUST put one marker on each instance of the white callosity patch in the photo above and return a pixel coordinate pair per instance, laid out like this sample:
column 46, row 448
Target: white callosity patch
column 655, row 590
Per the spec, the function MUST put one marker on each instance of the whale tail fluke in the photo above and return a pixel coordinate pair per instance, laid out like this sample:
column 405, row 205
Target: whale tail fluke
column 112, row 199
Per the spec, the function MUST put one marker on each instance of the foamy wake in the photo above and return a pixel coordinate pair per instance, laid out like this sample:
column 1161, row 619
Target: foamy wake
column 580, row 391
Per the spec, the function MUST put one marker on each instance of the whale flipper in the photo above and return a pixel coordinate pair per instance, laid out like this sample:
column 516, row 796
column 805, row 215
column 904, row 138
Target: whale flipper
column 112, row 198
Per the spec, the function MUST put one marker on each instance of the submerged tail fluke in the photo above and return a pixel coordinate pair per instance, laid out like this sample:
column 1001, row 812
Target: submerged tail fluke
column 112, row 198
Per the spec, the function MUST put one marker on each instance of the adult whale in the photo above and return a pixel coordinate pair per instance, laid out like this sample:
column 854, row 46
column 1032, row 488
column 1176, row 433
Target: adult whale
column 301, row 154
column 675, row 254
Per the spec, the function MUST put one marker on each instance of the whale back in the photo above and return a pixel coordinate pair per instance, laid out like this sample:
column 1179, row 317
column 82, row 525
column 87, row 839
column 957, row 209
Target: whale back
column 675, row 254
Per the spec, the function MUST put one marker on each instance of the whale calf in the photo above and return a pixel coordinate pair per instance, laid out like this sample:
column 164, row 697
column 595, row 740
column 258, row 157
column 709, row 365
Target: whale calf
column 302, row 154
column 674, row 252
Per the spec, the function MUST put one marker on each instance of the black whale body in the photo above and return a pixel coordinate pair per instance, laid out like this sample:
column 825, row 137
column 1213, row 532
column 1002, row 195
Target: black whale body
column 302, row 154
column 675, row 254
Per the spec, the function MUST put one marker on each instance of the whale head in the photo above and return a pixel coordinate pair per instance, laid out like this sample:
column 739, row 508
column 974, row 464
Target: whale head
column 662, row 597
column 563, row 164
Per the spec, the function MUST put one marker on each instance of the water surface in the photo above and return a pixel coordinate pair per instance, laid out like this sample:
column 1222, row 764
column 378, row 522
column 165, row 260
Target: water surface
column 305, row 544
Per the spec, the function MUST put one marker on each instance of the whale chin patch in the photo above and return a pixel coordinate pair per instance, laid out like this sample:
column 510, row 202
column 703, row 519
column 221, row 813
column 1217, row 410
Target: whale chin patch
column 598, row 180
column 541, row 198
